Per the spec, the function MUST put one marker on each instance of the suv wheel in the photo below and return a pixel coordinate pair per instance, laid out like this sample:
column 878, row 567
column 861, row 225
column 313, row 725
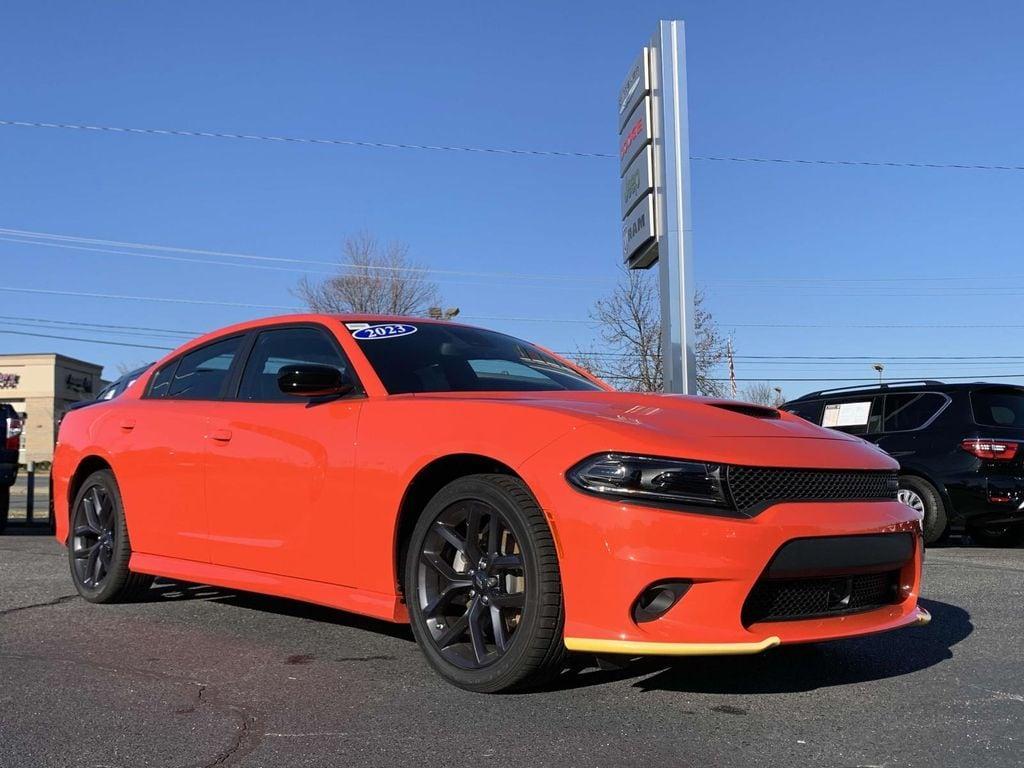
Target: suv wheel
column 921, row 495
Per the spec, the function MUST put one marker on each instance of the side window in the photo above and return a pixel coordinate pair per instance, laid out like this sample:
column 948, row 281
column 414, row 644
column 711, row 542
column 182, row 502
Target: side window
column 279, row 347
column 162, row 380
column 910, row 410
column 856, row 416
column 201, row 373
column 811, row 410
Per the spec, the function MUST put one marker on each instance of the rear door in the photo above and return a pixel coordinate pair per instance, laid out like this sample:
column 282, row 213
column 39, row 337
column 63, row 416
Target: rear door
column 906, row 417
column 280, row 467
column 160, row 444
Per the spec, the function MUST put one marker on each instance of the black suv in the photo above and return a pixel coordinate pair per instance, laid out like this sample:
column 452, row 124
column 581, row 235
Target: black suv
column 10, row 431
column 960, row 449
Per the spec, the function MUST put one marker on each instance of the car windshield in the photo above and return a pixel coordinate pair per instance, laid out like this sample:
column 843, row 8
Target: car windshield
column 998, row 407
column 432, row 357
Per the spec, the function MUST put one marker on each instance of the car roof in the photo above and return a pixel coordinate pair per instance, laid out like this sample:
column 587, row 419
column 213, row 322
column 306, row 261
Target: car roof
column 310, row 317
column 903, row 386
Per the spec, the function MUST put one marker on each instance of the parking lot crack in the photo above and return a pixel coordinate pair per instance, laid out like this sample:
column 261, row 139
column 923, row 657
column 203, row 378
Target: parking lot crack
column 43, row 604
column 238, row 745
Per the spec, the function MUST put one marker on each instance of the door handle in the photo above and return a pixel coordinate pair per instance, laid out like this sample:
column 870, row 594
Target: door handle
column 220, row 435
column 127, row 424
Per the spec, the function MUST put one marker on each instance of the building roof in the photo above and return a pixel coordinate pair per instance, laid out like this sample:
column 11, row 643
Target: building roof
column 55, row 355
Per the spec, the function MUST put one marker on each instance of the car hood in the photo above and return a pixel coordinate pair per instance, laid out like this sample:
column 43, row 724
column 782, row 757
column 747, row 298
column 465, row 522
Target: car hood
column 674, row 415
column 722, row 431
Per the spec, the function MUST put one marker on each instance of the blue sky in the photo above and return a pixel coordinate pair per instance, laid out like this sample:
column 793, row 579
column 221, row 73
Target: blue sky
column 822, row 246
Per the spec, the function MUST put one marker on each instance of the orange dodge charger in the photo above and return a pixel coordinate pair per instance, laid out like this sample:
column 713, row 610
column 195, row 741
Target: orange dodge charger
column 501, row 500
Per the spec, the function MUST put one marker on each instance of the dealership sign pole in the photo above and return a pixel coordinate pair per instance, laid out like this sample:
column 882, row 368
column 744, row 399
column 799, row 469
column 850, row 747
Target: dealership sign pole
column 654, row 165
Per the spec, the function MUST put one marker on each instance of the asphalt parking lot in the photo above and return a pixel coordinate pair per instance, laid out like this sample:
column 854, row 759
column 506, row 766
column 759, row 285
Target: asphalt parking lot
column 197, row 676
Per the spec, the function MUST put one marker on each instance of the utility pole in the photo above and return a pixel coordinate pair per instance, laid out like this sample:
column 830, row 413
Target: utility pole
column 732, row 369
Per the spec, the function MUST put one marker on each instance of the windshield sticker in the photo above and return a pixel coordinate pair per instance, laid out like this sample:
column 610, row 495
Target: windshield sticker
column 356, row 326
column 383, row 331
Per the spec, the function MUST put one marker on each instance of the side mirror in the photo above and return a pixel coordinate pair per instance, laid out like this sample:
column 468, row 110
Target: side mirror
column 313, row 381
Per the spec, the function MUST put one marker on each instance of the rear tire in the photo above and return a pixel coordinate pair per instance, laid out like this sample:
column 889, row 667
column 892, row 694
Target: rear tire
column 483, row 587
column 98, row 544
column 936, row 522
column 998, row 535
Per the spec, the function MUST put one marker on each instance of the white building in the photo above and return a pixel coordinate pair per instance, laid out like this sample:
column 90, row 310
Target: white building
column 41, row 386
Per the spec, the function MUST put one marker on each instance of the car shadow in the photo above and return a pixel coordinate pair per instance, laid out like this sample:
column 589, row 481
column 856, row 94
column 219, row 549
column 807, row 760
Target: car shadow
column 795, row 668
column 165, row 590
column 787, row 669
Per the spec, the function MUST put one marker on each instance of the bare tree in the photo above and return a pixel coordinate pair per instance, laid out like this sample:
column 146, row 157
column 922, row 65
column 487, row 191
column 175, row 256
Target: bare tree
column 762, row 393
column 128, row 367
column 374, row 279
column 629, row 323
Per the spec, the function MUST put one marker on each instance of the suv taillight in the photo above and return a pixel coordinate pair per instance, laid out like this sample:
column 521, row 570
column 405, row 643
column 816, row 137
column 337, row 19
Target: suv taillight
column 990, row 450
column 13, row 438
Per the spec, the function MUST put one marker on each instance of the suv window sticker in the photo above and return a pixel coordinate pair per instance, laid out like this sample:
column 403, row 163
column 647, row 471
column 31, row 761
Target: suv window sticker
column 846, row 414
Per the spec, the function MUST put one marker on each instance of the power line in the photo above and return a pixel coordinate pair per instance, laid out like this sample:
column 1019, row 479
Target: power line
column 92, row 329
column 871, row 358
column 865, row 163
column 29, row 237
column 78, row 323
column 205, row 302
column 86, row 341
column 771, row 360
column 610, row 378
column 872, row 380
column 886, row 326
column 304, row 140
column 506, row 318
column 812, row 358
column 32, row 237
column 504, row 150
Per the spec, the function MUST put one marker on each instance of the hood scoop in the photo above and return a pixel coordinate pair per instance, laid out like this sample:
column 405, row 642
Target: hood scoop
column 746, row 409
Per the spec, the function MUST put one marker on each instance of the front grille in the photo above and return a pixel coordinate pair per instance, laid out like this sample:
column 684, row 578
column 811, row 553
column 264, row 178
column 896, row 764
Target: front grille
column 788, row 599
column 753, row 487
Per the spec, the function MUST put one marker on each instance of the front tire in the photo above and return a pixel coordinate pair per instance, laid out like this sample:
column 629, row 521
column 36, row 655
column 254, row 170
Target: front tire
column 98, row 544
column 922, row 496
column 483, row 586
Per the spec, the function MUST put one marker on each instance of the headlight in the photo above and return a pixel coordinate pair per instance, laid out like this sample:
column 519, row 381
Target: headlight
column 650, row 479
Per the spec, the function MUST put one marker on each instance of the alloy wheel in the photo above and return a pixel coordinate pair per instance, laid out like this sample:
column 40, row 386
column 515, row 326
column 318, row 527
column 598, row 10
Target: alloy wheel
column 93, row 538
column 911, row 499
column 471, row 584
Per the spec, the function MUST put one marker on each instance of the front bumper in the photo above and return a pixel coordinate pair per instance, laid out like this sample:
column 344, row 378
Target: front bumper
column 610, row 552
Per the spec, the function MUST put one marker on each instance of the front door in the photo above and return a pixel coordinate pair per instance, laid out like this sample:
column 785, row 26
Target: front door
column 279, row 468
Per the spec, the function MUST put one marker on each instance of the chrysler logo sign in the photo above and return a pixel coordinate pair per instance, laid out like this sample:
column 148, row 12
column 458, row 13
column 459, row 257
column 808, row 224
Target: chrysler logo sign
column 637, row 84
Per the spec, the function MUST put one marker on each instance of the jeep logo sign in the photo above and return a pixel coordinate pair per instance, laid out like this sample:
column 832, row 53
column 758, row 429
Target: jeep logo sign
column 637, row 181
